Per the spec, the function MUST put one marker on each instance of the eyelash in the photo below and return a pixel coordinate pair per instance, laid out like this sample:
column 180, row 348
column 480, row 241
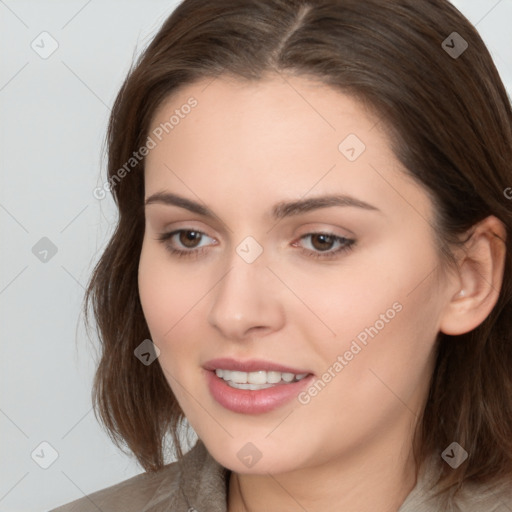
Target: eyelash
column 347, row 246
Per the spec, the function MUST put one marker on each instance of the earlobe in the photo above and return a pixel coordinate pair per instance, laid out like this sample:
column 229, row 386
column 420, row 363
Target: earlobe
column 480, row 269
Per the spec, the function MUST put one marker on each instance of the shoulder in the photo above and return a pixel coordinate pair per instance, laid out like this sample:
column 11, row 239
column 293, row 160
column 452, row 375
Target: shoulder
column 491, row 498
column 197, row 480
column 129, row 495
column 472, row 497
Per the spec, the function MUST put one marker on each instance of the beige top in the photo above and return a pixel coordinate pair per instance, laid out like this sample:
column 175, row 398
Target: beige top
column 199, row 484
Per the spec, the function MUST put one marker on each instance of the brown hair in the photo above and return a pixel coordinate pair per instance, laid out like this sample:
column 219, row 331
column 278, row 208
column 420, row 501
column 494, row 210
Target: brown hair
column 451, row 125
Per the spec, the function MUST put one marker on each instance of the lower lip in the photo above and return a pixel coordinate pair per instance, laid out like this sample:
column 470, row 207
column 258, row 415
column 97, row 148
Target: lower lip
column 246, row 401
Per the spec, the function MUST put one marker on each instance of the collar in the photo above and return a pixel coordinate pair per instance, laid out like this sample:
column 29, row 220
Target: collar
column 196, row 483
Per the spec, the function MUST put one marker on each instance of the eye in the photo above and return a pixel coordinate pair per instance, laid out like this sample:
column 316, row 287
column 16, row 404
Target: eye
column 325, row 245
column 192, row 243
column 185, row 242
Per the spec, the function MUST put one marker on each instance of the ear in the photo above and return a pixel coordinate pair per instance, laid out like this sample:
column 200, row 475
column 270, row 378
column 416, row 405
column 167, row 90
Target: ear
column 480, row 271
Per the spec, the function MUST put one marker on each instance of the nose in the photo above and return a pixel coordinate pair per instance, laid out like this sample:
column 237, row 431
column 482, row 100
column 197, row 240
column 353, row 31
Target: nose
column 246, row 301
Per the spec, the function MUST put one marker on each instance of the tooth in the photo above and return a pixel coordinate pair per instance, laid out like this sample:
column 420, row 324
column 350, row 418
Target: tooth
column 257, row 377
column 256, row 380
column 273, row 377
column 251, row 387
column 238, row 377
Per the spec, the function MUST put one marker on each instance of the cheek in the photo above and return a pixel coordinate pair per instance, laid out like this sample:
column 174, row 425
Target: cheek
column 386, row 329
column 169, row 300
column 366, row 289
column 381, row 305
column 166, row 294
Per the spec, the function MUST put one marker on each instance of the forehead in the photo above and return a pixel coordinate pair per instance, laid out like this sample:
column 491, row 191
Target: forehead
column 279, row 138
column 296, row 107
column 271, row 124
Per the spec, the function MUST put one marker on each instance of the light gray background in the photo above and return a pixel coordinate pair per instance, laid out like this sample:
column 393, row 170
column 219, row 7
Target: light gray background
column 54, row 114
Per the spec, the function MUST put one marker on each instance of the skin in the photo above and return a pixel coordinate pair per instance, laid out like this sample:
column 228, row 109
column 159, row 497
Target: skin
column 243, row 149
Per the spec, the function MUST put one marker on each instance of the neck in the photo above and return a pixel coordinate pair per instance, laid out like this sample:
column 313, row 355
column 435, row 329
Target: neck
column 369, row 480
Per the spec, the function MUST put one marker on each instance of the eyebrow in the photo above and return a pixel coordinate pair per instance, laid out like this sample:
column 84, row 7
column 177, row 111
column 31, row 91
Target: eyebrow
column 279, row 211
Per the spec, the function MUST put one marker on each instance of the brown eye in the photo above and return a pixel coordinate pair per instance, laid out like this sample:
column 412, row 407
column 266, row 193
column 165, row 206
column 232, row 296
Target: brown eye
column 322, row 242
column 186, row 243
column 189, row 239
column 325, row 245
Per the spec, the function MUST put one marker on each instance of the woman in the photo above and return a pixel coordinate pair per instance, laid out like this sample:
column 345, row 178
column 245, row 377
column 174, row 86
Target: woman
column 312, row 263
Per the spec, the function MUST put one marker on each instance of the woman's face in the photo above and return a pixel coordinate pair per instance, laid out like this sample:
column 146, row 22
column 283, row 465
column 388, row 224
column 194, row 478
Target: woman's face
column 303, row 249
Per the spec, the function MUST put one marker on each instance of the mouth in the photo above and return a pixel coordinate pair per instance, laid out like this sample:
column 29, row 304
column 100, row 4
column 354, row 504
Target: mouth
column 255, row 386
column 257, row 380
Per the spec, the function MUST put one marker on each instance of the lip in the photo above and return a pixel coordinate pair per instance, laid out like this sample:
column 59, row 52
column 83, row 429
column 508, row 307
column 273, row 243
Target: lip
column 246, row 401
column 252, row 365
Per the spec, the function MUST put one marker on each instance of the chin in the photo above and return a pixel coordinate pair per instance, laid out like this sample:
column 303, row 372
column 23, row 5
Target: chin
column 246, row 457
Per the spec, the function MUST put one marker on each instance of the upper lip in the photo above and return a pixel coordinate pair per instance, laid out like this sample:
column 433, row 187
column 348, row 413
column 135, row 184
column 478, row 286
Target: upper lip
column 251, row 365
